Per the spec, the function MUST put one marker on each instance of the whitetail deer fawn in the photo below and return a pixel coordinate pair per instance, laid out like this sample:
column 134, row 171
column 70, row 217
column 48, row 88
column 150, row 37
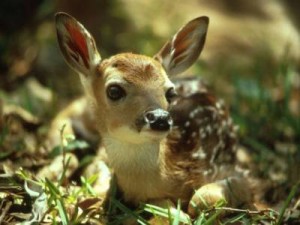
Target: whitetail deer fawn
column 160, row 145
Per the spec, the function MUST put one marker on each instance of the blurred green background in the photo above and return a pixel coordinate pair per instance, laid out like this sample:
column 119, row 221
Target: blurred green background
column 251, row 59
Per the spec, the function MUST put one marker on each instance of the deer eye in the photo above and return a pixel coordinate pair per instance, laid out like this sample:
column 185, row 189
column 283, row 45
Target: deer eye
column 170, row 94
column 114, row 92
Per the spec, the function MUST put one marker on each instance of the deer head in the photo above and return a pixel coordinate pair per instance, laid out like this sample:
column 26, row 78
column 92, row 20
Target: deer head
column 130, row 93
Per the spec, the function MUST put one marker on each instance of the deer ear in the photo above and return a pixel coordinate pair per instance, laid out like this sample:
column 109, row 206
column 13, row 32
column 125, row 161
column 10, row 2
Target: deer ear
column 76, row 44
column 184, row 48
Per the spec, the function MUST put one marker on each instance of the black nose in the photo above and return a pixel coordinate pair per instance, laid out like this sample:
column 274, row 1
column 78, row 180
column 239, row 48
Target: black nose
column 158, row 119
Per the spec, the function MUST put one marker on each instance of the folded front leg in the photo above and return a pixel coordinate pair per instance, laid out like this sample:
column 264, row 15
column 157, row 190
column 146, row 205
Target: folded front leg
column 234, row 191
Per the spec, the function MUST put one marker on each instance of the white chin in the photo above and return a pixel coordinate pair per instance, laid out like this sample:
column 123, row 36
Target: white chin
column 154, row 134
column 133, row 136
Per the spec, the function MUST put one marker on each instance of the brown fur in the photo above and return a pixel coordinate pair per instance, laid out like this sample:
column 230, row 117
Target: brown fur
column 136, row 69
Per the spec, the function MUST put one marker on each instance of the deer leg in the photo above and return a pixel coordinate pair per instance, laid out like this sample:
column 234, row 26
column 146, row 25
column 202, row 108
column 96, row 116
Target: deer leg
column 234, row 191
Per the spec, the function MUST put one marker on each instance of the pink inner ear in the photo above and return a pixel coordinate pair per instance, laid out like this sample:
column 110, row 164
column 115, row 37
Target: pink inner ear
column 77, row 43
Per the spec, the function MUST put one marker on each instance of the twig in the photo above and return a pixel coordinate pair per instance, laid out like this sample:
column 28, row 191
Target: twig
column 265, row 212
column 62, row 147
column 5, row 210
column 62, row 144
column 247, row 211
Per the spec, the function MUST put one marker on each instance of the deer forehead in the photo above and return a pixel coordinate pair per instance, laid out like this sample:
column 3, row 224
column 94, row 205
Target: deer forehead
column 138, row 70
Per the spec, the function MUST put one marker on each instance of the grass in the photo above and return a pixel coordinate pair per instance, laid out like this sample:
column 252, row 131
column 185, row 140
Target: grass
column 287, row 202
column 61, row 205
column 262, row 107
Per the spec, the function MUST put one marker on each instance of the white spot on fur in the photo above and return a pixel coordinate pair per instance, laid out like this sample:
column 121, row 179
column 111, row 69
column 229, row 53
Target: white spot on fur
column 216, row 149
column 208, row 129
column 218, row 105
column 187, row 124
column 207, row 172
column 200, row 154
column 195, row 112
column 202, row 135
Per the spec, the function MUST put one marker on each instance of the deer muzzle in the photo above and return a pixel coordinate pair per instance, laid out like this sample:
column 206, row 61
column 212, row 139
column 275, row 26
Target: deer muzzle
column 158, row 120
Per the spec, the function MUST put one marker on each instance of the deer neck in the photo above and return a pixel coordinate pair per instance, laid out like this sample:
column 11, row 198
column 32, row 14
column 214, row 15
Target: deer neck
column 134, row 159
column 139, row 169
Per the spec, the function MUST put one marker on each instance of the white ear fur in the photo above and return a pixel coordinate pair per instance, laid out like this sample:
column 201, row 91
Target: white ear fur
column 184, row 48
column 76, row 44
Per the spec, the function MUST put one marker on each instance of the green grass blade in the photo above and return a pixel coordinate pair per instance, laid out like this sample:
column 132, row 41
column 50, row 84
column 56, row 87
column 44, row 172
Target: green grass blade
column 235, row 219
column 287, row 202
column 155, row 210
column 200, row 220
column 62, row 212
column 88, row 185
column 177, row 216
column 52, row 188
column 213, row 218
column 65, row 167
column 127, row 211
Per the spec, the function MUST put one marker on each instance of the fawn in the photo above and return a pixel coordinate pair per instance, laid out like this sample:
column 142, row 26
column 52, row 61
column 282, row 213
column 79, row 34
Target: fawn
column 160, row 144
